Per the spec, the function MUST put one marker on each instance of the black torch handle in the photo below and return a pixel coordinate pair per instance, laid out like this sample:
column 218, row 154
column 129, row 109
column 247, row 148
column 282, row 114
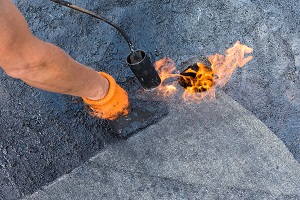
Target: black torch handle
column 75, row 7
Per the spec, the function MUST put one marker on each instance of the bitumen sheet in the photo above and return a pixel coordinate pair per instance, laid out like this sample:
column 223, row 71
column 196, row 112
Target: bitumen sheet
column 214, row 150
column 45, row 136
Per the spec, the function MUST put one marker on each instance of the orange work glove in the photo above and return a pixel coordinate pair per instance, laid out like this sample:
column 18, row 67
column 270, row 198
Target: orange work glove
column 113, row 105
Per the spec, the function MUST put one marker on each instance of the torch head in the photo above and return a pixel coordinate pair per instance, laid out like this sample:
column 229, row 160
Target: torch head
column 143, row 69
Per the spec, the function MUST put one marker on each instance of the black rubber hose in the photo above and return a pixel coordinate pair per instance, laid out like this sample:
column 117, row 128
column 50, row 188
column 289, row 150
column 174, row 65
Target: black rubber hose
column 75, row 7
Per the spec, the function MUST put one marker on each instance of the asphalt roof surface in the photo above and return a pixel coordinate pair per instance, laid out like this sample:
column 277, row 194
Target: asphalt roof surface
column 226, row 154
column 245, row 144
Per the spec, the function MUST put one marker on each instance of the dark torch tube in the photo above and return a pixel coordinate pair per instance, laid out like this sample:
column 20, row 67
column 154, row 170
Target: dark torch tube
column 137, row 60
column 142, row 68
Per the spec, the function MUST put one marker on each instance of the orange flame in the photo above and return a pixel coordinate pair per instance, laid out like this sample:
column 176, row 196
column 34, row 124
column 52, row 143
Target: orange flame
column 223, row 66
column 201, row 85
column 206, row 81
column 165, row 68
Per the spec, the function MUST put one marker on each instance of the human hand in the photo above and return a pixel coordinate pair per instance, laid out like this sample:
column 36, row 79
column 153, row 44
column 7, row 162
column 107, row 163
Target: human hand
column 113, row 105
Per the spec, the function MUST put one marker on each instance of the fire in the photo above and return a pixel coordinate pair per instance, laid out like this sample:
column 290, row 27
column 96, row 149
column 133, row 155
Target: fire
column 166, row 68
column 223, row 66
column 199, row 80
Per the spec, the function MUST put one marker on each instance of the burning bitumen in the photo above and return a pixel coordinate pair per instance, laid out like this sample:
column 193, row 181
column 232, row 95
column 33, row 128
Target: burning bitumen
column 200, row 79
column 196, row 78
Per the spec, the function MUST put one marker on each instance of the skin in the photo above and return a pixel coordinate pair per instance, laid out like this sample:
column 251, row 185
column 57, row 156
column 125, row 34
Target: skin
column 41, row 64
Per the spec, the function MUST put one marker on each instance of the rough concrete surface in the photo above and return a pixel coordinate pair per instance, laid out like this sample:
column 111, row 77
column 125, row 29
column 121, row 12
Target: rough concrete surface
column 45, row 135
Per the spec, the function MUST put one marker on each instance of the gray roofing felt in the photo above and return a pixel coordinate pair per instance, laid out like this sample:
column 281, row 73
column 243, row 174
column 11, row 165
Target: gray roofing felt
column 215, row 150
column 245, row 144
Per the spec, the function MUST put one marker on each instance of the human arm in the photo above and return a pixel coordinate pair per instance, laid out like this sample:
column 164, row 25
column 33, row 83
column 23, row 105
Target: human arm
column 44, row 65
column 41, row 64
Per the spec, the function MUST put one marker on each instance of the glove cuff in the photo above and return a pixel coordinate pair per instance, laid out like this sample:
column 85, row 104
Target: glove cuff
column 110, row 94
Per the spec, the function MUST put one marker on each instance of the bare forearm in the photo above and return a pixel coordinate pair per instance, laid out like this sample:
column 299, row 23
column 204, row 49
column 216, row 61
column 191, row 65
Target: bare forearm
column 41, row 64
column 56, row 71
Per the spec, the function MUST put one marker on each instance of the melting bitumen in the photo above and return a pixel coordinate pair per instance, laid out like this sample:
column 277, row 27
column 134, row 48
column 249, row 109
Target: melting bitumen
column 142, row 114
column 143, row 111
